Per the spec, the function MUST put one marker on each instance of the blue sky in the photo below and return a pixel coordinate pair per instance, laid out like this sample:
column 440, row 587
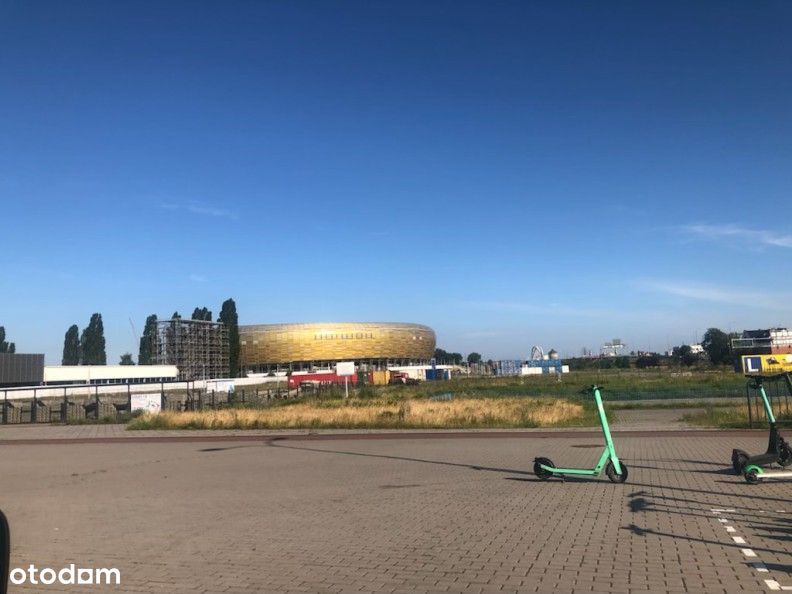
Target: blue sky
column 510, row 173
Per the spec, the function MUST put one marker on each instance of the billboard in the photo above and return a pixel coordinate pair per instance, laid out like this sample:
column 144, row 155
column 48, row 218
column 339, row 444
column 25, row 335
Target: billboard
column 345, row 368
column 508, row 367
column 146, row 402
column 766, row 364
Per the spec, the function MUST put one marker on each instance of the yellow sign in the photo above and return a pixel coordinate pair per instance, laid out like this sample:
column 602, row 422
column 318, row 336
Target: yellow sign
column 766, row 364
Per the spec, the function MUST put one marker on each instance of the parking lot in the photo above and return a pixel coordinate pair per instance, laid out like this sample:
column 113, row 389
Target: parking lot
column 387, row 514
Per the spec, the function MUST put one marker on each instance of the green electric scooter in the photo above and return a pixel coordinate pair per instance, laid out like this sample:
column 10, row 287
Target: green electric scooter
column 614, row 468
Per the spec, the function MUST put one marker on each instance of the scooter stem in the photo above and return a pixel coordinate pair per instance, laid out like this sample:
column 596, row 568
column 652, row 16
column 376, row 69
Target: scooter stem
column 605, row 429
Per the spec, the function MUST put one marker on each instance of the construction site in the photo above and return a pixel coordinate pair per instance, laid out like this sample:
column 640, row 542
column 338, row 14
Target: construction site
column 199, row 349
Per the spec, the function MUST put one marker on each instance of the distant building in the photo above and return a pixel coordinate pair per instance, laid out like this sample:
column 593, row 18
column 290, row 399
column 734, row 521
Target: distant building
column 373, row 345
column 773, row 341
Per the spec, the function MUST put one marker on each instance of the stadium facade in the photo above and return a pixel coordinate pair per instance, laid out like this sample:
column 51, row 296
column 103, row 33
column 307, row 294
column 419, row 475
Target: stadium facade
column 372, row 345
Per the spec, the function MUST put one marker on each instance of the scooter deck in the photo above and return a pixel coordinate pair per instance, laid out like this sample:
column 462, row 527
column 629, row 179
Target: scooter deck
column 581, row 471
column 774, row 474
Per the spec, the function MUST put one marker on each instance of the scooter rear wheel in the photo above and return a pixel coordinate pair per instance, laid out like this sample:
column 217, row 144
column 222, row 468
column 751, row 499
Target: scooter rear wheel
column 540, row 472
column 739, row 460
column 610, row 470
column 785, row 454
column 751, row 477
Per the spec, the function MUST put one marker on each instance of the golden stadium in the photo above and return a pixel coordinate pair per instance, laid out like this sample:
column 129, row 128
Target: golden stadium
column 269, row 346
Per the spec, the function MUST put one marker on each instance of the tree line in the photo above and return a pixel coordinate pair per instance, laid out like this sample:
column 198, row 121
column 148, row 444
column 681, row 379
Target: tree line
column 715, row 343
column 89, row 347
column 443, row 357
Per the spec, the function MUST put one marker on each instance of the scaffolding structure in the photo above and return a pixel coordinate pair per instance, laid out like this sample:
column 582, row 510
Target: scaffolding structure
column 199, row 349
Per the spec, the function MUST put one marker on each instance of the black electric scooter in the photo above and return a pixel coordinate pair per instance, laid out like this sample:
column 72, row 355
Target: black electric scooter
column 5, row 553
column 778, row 450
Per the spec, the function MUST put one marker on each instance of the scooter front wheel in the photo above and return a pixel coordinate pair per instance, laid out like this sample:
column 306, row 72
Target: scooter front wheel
column 540, row 472
column 610, row 470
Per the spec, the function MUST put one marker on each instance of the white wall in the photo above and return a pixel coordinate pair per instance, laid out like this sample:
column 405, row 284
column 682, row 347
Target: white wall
column 89, row 373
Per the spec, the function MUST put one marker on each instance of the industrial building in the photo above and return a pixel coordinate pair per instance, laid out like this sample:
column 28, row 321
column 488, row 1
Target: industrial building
column 19, row 370
column 371, row 345
column 108, row 374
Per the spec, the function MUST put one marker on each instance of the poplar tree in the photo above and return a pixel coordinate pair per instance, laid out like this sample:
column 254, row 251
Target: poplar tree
column 71, row 346
column 145, row 352
column 92, row 342
column 229, row 317
column 6, row 347
column 203, row 314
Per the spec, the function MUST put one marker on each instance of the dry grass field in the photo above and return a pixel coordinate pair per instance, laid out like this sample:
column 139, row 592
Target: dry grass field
column 733, row 417
column 410, row 413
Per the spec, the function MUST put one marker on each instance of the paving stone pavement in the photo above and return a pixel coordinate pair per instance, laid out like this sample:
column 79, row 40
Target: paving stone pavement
column 397, row 515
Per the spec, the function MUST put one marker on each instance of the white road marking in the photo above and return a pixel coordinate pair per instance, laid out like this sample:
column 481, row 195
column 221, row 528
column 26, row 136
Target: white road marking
column 759, row 566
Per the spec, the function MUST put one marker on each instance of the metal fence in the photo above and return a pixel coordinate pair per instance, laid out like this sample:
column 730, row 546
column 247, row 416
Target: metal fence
column 779, row 393
column 75, row 404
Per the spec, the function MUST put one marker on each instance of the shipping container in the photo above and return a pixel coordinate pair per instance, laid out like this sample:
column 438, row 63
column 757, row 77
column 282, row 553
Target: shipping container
column 325, row 377
column 380, row 377
column 508, row 367
column 437, row 374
